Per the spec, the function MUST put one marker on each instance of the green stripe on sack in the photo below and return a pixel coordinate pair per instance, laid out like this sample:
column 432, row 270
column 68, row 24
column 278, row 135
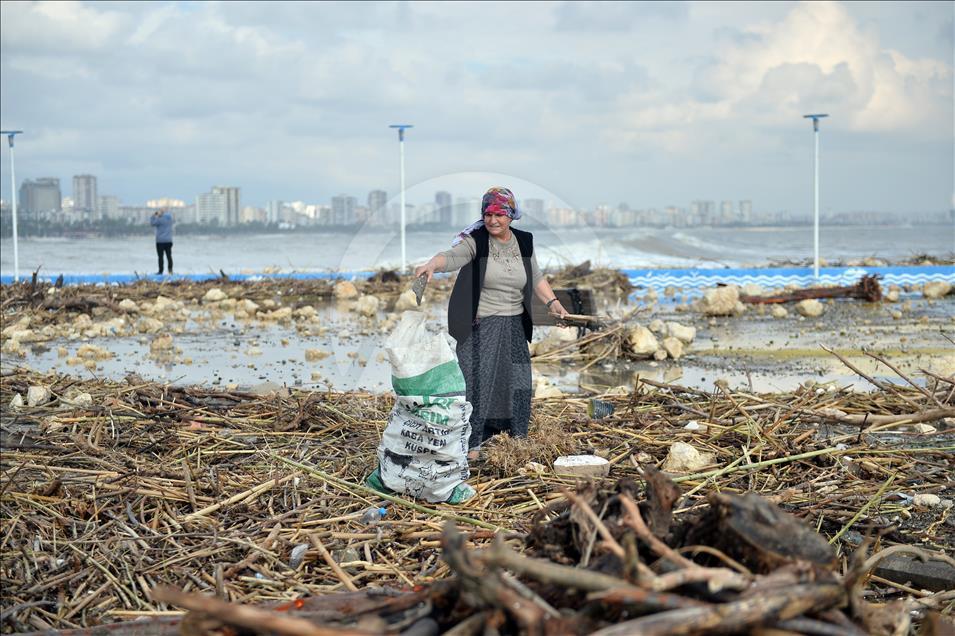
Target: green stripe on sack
column 444, row 378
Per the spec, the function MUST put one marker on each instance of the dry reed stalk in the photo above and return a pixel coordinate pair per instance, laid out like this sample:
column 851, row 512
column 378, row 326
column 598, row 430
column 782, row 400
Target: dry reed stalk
column 107, row 513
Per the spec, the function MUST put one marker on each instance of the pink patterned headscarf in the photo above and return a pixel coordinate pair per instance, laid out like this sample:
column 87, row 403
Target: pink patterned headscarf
column 495, row 201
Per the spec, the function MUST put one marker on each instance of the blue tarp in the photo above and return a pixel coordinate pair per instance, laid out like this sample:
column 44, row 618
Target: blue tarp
column 688, row 279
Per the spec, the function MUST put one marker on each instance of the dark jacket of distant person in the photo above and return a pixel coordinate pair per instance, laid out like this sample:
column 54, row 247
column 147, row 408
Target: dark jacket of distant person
column 163, row 225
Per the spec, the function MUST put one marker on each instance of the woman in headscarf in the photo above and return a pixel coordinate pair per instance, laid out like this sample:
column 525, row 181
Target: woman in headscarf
column 489, row 315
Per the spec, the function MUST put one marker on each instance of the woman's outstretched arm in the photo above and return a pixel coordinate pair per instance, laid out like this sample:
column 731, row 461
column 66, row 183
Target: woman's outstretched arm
column 546, row 294
column 437, row 263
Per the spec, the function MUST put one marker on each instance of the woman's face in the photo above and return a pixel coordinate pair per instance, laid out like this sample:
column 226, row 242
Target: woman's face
column 497, row 225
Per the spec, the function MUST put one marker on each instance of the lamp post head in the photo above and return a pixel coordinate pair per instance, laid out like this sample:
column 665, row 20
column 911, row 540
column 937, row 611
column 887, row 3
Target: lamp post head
column 401, row 130
column 815, row 119
column 10, row 135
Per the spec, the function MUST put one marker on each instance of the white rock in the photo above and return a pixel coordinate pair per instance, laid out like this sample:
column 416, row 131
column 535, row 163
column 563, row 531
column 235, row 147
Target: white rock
column 721, row 301
column 684, row 458
column 936, row 289
column 892, row 296
column 22, row 335
column 38, row 394
column 313, row 355
column 163, row 305
column 13, row 347
column 92, row 352
column 642, row 341
column 367, row 305
column 128, row 305
column 810, row 308
column 283, row 314
column 544, row 389
column 406, row 301
column 752, row 289
column 582, row 466
column 17, row 402
column 925, row 429
column 656, row 326
column 556, row 338
column 686, row 335
column 305, row 312
column 81, row 399
column 214, row 295
column 345, row 290
column 926, row 500
column 161, row 343
column 19, row 325
column 149, row 325
column 246, row 306
column 659, row 354
column 673, row 347
column 779, row 311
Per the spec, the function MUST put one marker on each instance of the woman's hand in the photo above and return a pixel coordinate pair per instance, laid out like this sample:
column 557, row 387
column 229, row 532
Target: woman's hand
column 558, row 310
column 428, row 268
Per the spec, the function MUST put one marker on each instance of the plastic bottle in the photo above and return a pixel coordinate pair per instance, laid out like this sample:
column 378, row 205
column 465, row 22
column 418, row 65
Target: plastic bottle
column 373, row 515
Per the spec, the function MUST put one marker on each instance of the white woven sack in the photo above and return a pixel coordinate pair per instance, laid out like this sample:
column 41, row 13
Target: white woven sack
column 423, row 450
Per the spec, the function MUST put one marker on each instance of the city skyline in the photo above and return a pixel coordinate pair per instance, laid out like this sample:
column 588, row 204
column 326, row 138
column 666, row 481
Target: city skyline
column 589, row 102
column 222, row 206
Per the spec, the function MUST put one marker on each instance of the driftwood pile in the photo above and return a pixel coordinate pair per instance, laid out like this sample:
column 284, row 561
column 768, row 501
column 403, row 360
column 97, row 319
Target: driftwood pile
column 258, row 499
column 597, row 562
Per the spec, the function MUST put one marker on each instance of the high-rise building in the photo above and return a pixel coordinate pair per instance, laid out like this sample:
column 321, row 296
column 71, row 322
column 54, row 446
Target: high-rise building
column 466, row 210
column 40, row 196
column 444, row 207
column 343, row 210
column 232, row 203
column 726, row 212
column 85, row 197
column 377, row 207
column 746, row 211
column 273, row 211
column 211, row 208
column 108, row 207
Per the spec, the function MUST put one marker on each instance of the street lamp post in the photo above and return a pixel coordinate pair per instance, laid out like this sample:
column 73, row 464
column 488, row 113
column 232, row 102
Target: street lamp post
column 13, row 194
column 815, row 191
column 401, row 153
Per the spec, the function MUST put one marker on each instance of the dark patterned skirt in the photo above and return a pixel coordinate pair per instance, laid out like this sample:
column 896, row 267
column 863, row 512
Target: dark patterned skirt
column 497, row 371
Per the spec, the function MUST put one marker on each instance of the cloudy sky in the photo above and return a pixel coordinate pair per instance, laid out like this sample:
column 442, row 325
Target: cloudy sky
column 589, row 102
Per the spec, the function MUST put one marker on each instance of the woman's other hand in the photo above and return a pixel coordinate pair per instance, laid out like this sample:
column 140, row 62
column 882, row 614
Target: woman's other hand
column 427, row 268
column 558, row 310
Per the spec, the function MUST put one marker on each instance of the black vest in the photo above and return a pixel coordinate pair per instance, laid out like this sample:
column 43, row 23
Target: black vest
column 466, row 295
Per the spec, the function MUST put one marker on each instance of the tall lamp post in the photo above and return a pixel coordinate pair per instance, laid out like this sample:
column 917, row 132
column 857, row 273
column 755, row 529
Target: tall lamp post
column 815, row 191
column 401, row 153
column 13, row 194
